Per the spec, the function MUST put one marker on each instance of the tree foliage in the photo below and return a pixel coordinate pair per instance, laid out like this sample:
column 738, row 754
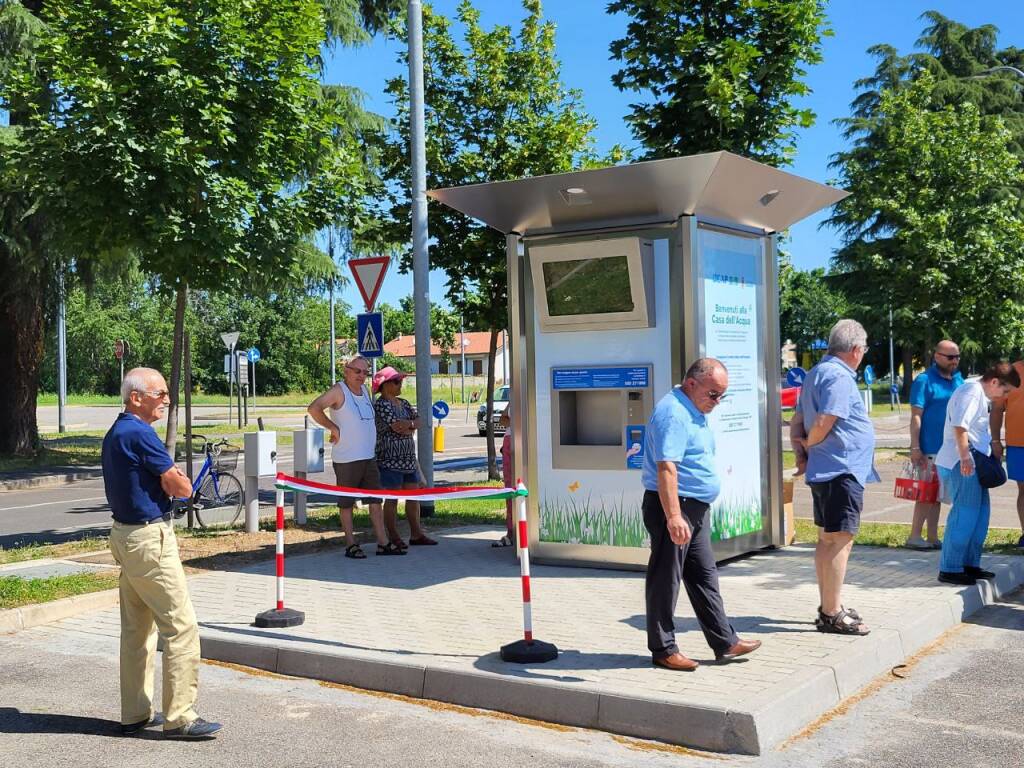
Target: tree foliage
column 926, row 228
column 808, row 305
column 719, row 74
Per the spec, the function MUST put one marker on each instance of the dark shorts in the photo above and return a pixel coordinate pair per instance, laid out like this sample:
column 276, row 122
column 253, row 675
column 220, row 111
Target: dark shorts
column 396, row 478
column 838, row 504
column 357, row 474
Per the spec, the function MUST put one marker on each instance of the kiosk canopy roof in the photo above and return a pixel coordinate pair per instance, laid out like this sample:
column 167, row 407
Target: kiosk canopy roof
column 719, row 186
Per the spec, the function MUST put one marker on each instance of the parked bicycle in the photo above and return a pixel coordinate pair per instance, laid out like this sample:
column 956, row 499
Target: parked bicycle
column 216, row 493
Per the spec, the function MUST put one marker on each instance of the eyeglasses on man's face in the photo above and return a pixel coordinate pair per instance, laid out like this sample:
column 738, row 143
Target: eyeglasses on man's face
column 159, row 394
column 358, row 371
column 948, row 357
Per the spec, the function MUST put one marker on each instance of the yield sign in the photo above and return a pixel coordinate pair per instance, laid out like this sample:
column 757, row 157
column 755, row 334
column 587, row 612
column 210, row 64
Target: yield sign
column 369, row 275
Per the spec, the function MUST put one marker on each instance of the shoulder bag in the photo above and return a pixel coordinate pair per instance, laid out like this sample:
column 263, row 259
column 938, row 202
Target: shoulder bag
column 989, row 469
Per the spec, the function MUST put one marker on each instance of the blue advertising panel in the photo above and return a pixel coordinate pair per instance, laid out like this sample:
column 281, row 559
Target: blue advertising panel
column 370, row 333
column 635, row 442
column 632, row 377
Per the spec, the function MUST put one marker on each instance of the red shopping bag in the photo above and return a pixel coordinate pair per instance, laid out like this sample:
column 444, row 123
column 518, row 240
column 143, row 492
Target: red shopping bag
column 915, row 484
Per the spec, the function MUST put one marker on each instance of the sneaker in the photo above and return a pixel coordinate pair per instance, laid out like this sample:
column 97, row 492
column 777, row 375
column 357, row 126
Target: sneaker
column 935, row 544
column 197, row 729
column 918, row 544
column 963, row 579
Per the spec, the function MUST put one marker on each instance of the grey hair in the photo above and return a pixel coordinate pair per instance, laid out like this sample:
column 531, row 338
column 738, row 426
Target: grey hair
column 356, row 359
column 136, row 380
column 845, row 335
column 703, row 366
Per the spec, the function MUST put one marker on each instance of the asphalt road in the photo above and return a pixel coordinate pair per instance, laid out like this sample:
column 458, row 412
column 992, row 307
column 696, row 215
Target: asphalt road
column 959, row 706
column 79, row 509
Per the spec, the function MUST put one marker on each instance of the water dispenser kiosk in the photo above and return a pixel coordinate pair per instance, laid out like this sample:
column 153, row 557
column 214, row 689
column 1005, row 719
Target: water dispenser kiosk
column 618, row 279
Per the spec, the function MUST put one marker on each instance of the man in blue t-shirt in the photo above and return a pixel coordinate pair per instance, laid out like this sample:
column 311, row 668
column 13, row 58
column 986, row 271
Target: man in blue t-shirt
column 141, row 480
column 680, row 484
column 929, row 396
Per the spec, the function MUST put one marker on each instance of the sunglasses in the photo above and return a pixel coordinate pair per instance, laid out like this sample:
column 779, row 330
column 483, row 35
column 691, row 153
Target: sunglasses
column 160, row 394
column 948, row 357
column 716, row 396
column 360, row 371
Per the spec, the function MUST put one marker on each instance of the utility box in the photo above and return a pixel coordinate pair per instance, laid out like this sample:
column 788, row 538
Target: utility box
column 309, row 450
column 260, row 454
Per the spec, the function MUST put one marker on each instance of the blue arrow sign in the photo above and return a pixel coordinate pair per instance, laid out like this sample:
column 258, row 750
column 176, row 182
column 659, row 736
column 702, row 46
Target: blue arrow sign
column 440, row 409
column 253, row 354
column 370, row 334
column 795, row 377
column 869, row 375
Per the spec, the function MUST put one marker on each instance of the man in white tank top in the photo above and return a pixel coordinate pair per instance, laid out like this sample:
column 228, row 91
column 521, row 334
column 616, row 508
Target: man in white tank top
column 353, row 435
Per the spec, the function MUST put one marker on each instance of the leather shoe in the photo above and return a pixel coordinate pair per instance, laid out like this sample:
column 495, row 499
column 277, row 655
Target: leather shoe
column 197, row 729
column 742, row 648
column 130, row 729
column 676, row 662
column 963, row 579
column 978, row 573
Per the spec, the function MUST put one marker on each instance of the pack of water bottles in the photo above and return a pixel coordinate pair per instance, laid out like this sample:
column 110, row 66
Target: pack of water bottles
column 915, row 483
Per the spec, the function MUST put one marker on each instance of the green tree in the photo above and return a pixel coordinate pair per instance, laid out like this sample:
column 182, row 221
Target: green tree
column 719, row 74
column 927, row 229
column 808, row 305
column 192, row 133
column 496, row 110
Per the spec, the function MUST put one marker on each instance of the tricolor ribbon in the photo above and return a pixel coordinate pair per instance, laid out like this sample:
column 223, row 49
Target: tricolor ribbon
column 448, row 493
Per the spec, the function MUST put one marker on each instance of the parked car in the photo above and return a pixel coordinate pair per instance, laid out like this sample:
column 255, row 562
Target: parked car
column 501, row 398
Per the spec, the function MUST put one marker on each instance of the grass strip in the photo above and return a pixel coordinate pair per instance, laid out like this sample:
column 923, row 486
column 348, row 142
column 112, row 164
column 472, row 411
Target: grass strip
column 999, row 541
column 16, row 591
column 35, row 551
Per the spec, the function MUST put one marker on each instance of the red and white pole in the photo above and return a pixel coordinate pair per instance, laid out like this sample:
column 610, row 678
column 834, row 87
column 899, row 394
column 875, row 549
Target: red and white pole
column 280, row 549
column 280, row 616
column 528, row 650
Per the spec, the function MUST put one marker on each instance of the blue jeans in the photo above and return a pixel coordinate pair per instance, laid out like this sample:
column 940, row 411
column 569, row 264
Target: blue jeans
column 967, row 524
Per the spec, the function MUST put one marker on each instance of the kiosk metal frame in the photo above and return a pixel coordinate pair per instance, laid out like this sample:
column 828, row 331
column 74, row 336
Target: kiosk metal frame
column 676, row 203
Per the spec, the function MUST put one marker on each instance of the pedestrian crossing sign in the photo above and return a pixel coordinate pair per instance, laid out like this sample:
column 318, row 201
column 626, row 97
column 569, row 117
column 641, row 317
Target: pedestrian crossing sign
column 370, row 334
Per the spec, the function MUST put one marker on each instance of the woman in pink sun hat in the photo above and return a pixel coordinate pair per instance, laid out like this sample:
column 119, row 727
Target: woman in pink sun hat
column 397, row 421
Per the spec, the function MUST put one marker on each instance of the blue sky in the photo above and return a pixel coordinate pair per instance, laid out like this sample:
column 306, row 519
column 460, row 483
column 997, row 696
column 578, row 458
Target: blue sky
column 584, row 32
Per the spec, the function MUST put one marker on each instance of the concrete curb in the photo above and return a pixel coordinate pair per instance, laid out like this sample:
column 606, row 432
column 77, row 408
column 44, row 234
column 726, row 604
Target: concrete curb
column 17, row 619
column 752, row 727
column 49, row 481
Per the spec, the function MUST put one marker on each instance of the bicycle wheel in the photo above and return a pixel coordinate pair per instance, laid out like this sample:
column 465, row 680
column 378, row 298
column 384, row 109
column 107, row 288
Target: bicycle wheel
column 218, row 504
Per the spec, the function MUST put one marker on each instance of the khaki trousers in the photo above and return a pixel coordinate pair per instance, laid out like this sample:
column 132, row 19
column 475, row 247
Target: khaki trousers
column 154, row 596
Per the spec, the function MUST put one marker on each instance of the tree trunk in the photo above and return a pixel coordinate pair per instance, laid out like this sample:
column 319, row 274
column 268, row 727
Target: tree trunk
column 907, row 357
column 175, row 381
column 492, row 455
column 22, row 320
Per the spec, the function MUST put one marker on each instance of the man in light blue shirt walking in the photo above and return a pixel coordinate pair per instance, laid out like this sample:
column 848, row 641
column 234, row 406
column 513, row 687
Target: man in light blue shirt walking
column 680, row 484
column 834, row 429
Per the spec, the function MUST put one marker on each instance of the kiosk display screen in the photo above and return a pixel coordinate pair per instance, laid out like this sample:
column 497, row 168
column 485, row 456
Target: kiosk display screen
column 587, row 286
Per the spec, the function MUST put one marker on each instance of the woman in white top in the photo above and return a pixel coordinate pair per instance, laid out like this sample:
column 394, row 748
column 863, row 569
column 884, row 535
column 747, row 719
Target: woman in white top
column 966, row 429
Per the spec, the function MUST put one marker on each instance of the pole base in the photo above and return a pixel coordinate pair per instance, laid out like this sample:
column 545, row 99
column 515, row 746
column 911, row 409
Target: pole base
column 286, row 617
column 534, row 652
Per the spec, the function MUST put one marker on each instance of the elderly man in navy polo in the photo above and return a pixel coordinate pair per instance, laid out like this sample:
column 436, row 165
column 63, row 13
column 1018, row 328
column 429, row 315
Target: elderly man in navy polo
column 832, row 425
column 680, row 484
column 141, row 480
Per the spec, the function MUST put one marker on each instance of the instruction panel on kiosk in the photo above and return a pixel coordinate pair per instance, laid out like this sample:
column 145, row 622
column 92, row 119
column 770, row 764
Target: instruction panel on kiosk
column 600, row 378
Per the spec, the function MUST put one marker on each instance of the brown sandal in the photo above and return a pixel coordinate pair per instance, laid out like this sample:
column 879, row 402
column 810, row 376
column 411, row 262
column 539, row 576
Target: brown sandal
column 422, row 541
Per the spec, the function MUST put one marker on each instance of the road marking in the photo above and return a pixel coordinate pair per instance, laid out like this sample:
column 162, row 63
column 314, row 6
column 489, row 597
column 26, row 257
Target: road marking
column 51, row 503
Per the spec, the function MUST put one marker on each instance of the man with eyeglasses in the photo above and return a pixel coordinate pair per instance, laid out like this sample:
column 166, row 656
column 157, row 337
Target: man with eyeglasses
column 834, row 428
column 929, row 396
column 140, row 480
column 1010, row 409
column 680, row 484
column 353, row 435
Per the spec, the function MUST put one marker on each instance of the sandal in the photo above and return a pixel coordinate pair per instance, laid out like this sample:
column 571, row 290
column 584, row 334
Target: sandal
column 422, row 541
column 504, row 541
column 853, row 613
column 400, row 544
column 842, row 623
column 355, row 552
column 389, row 549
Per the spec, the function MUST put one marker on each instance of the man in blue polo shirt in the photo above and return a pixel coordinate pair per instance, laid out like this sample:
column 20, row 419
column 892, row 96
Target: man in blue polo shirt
column 833, row 426
column 140, row 480
column 680, row 485
column 929, row 396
